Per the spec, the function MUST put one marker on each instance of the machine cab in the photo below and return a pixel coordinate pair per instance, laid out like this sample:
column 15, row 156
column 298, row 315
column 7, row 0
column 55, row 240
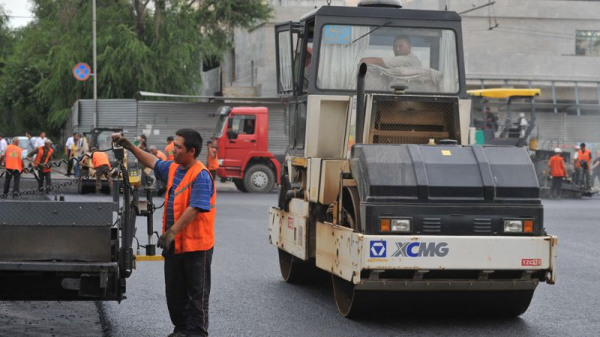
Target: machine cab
column 417, row 52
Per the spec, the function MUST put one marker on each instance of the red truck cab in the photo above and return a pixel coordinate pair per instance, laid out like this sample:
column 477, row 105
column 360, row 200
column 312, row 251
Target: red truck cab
column 242, row 139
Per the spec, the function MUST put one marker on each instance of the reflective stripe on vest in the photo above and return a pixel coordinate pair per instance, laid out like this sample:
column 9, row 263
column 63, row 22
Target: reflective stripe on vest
column 13, row 158
column 99, row 159
column 39, row 156
column 200, row 233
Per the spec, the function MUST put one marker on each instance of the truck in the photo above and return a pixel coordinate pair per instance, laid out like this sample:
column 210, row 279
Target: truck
column 382, row 188
column 242, row 140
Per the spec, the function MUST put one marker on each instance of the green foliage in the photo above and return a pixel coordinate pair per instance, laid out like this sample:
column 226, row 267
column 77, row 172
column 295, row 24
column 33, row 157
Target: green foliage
column 139, row 47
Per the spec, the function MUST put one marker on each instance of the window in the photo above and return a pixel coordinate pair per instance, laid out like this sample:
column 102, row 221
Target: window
column 587, row 43
column 243, row 125
column 423, row 59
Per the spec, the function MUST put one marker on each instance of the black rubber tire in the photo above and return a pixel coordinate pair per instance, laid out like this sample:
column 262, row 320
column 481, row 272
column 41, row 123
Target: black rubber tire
column 259, row 178
column 239, row 184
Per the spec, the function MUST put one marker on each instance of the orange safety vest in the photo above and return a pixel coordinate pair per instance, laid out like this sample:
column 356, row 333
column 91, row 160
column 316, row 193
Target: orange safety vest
column 583, row 156
column 13, row 158
column 169, row 151
column 200, row 233
column 160, row 155
column 38, row 158
column 99, row 159
column 557, row 168
column 213, row 163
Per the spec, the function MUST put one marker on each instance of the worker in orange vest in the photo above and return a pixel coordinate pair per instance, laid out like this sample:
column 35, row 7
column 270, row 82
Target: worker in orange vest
column 583, row 164
column 211, row 159
column 161, row 188
column 188, row 230
column 14, row 165
column 169, row 148
column 158, row 153
column 102, row 166
column 43, row 154
column 558, row 173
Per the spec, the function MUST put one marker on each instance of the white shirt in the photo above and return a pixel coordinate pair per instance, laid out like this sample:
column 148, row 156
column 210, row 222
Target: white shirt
column 39, row 142
column 409, row 60
column 3, row 145
column 70, row 142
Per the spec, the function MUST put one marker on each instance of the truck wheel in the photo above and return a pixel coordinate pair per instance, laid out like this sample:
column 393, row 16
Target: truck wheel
column 239, row 184
column 259, row 178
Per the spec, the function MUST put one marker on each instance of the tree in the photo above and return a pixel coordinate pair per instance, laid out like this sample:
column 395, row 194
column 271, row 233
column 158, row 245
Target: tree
column 142, row 45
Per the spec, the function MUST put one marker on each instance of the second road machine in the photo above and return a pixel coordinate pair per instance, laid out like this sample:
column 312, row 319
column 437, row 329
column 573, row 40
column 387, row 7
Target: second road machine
column 381, row 188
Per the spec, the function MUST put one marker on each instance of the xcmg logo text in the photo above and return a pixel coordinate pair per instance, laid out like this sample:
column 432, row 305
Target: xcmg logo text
column 421, row 249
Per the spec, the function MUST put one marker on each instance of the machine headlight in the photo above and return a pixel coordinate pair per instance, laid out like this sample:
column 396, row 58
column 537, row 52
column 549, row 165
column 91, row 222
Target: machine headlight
column 220, row 162
column 513, row 226
column 401, row 225
column 395, row 225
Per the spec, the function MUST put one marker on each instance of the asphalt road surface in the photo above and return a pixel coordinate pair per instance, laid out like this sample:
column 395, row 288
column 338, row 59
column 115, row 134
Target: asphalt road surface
column 249, row 298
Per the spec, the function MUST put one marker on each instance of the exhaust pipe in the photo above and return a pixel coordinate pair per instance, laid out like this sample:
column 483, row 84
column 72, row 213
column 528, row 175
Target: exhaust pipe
column 360, row 103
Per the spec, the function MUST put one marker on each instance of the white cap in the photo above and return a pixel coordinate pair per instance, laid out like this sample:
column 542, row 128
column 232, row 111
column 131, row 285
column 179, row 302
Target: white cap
column 557, row 150
column 522, row 114
column 47, row 141
column 577, row 147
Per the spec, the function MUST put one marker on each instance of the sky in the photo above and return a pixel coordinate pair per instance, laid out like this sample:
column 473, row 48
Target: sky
column 17, row 8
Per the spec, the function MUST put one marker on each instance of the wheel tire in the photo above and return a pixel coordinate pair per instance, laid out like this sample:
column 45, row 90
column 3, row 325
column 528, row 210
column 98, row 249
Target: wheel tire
column 350, row 303
column 239, row 184
column 259, row 178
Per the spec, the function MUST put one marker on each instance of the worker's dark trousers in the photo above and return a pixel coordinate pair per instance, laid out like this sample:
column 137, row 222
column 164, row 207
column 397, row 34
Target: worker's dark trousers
column 555, row 190
column 45, row 176
column 69, row 163
column 187, row 283
column 9, row 175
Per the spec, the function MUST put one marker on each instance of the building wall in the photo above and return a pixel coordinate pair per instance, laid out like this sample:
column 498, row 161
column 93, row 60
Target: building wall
column 534, row 40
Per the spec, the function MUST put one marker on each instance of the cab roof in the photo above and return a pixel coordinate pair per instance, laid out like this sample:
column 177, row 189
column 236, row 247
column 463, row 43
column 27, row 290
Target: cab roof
column 385, row 12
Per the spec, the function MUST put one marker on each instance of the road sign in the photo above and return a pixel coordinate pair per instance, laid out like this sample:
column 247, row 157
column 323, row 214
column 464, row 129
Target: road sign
column 81, row 71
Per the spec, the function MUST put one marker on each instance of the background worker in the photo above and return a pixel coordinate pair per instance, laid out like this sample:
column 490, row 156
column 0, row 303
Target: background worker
column 169, row 148
column 160, row 185
column 584, row 162
column 157, row 153
column 188, row 230
column 43, row 154
column 211, row 159
column 39, row 142
column 68, row 147
column 557, row 171
column 402, row 55
column 3, row 144
column 102, row 166
column 76, row 152
column 14, row 165
column 595, row 168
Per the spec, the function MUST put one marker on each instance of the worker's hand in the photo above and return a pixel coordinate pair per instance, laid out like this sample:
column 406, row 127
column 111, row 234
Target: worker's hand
column 166, row 239
column 121, row 141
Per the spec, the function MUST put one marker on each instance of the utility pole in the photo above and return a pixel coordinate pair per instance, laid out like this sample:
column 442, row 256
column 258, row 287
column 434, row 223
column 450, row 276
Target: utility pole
column 95, row 121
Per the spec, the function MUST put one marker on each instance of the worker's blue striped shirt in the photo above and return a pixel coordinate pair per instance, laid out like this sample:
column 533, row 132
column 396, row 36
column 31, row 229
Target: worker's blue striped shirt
column 202, row 189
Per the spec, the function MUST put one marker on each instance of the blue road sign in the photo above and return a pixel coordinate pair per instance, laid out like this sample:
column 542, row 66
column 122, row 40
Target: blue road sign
column 82, row 71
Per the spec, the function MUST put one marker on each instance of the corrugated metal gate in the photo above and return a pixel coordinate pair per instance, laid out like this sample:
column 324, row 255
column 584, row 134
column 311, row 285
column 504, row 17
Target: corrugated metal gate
column 160, row 119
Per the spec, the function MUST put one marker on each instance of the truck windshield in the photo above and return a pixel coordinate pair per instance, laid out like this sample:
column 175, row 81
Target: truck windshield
column 220, row 125
column 423, row 59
